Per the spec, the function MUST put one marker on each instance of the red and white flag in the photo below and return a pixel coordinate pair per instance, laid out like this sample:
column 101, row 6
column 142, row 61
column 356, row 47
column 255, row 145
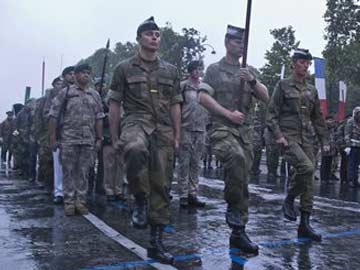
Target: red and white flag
column 342, row 100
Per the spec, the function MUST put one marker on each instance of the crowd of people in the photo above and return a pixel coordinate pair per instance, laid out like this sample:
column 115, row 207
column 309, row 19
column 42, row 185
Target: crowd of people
column 87, row 137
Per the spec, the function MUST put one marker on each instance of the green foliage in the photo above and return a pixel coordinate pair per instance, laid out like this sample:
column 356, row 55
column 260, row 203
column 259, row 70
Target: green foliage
column 278, row 56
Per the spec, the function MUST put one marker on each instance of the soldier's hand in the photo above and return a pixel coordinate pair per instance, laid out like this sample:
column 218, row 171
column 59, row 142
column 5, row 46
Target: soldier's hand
column 98, row 144
column 176, row 145
column 54, row 145
column 236, row 117
column 16, row 132
column 347, row 150
column 326, row 148
column 282, row 141
column 246, row 75
column 116, row 145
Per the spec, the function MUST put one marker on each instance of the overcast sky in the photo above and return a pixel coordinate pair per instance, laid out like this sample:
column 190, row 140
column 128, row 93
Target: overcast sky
column 33, row 30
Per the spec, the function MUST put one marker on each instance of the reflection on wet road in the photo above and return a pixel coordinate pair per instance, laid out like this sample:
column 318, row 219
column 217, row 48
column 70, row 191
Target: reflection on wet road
column 35, row 234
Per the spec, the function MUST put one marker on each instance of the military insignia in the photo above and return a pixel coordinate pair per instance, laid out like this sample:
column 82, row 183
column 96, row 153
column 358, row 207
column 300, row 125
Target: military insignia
column 154, row 91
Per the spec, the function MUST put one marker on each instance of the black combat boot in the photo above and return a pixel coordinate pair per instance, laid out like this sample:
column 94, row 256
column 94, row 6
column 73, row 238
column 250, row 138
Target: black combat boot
column 240, row 240
column 139, row 215
column 195, row 202
column 288, row 208
column 305, row 229
column 157, row 250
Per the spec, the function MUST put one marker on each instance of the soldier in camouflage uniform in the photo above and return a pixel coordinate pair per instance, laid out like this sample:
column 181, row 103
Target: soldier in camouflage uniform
column 45, row 170
column 327, row 157
column 6, row 129
column 232, row 113
column 352, row 139
column 293, row 106
column 341, row 145
column 80, row 133
column 258, row 137
column 149, row 90
column 22, row 137
column 68, row 80
column 193, row 130
column 272, row 155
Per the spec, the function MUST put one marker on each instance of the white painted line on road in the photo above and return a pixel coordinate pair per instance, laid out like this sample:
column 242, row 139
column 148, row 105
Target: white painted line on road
column 125, row 242
column 345, row 208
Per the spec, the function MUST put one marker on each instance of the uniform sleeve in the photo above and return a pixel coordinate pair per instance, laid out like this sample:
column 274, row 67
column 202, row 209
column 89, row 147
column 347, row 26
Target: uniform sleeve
column 273, row 112
column 347, row 132
column 99, row 110
column 319, row 122
column 209, row 79
column 117, row 86
column 56, row 104
column 176, row 95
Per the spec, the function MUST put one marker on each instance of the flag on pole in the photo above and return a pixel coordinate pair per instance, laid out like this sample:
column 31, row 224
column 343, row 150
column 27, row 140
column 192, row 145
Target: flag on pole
column 342, row 100
column 320, row 83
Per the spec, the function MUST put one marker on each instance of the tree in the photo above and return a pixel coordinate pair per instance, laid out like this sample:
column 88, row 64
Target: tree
column 278, row 56
column 176, row 48
column 181, row 49
column 342, row 51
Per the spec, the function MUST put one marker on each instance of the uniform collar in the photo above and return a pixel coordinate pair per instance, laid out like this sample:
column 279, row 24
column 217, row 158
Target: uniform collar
column 137, row 61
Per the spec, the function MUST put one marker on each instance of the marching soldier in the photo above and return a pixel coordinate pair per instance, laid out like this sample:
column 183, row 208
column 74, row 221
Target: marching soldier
column 232, row 113
column 149, row 90
column 293, row 107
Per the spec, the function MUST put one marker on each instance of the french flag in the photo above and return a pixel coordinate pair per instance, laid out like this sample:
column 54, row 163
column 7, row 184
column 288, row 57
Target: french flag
column 320, row 83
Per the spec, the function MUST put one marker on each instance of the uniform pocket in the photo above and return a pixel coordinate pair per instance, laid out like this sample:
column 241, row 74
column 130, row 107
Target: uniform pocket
column 137, row 85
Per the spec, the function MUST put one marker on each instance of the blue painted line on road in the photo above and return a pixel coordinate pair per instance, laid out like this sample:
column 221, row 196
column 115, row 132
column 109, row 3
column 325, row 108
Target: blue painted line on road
column 169, row 229
column 121, row 205
column 238, row 260
column 299, row 241
column 126, row 265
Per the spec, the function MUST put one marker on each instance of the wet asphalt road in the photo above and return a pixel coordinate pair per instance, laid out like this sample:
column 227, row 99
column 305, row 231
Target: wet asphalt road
column 35, row 234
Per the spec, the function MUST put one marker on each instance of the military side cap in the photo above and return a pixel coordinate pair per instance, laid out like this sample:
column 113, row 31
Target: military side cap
column 82, row 67
column 57, row 79
column 148, row 24
column 301, row 54
column 235, row 32
column 67, row 70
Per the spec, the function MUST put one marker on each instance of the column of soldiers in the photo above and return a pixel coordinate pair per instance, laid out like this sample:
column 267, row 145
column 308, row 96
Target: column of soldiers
column 147, row 116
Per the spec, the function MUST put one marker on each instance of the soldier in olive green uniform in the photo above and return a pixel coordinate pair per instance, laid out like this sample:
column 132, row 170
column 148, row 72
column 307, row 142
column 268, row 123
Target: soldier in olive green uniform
column 149, row 90
column 327, row 158
column 232, row 113
column 272, row 155
column 293, row 106
column 6, row 129
column 258, row 137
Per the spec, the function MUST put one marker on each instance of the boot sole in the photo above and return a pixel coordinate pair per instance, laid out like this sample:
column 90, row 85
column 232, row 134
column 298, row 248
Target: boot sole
column 152, row 253
column 256, row 252
column 139, row 226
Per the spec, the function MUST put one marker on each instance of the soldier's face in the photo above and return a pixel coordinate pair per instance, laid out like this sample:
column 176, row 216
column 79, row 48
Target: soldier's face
column 70, row 77
column 197, row 73
column 301, row 67
column 58, row 85
column 234, row 47
column 150, row 40
column 83, row 77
